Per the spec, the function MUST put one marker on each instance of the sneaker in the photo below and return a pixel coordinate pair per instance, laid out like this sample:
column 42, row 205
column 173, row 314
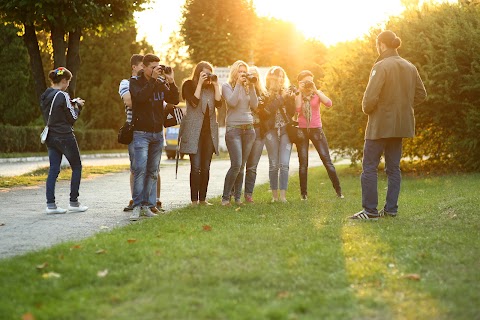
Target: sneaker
column 364, row 215
column 303, row 197
column 147, row 212
column 135, row 214
column 56, row 210
column 129, row 207
column 248, row 198
column 78, row 208
column 383, row 213
column 159, row 206
column 340, row 196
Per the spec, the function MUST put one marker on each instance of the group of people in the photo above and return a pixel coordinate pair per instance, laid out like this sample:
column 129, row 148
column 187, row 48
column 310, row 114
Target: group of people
column 257, row 116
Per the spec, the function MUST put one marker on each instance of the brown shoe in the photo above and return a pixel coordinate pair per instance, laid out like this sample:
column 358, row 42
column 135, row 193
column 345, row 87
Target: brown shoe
column 129, row 207
column 248, row 198
column 155, row 210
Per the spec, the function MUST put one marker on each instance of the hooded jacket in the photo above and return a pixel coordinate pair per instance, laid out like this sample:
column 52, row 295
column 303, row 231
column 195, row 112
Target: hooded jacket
column 64, row 114
column 147, row 102
column 394, row 88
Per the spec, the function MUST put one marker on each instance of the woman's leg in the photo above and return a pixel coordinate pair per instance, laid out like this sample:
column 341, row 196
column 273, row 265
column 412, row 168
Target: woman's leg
column 72, row 153
column 285, row 150
column 320, row 142
column 55, row 158
column 272, row 143
column 205, row 161
column 247, row 138
column 302, row 149
column 252, row 163
column 233, row 140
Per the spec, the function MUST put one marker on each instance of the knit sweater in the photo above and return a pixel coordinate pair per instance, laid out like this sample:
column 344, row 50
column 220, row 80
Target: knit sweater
column 239, row 104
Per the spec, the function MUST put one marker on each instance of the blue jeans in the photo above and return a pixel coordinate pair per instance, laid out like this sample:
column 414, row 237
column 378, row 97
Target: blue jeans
column 200, row 167
column 372, row 151
column 252, row 162
column 58, row 146
column 152, row 199
column 239, row 144
column 279, row 150
column 147, row 153
column 320, row 143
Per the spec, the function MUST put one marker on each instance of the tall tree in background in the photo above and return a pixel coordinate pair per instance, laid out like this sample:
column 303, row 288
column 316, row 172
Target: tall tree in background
column 65, row 20
column 220, row 31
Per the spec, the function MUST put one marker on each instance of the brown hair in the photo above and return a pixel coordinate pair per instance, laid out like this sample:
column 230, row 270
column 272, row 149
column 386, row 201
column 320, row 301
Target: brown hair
column 199, row 68
column 58, row 74
column 149, row 58
column 390, row 39
column 303, row 74
column 136, row 59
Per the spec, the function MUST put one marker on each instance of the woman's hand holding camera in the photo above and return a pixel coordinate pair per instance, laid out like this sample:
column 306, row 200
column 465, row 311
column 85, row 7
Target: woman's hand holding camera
column 78, row 102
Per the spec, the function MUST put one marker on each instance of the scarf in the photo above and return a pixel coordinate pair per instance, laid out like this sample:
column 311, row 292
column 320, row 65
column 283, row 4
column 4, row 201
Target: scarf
column 306, row 108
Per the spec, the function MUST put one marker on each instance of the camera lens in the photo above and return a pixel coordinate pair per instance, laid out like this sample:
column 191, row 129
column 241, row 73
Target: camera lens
column 212, row 77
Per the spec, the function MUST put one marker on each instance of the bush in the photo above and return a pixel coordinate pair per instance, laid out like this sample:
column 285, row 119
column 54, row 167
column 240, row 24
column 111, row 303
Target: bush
column 27, row 139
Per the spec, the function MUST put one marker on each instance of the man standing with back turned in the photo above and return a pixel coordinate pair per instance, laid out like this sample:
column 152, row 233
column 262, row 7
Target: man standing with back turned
column 392, row 91
column 149, row 90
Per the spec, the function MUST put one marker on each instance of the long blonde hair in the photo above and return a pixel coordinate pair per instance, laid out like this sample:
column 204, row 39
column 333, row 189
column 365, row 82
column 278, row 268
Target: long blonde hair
column 259, row 88
column 273, row 84
column 233, row 75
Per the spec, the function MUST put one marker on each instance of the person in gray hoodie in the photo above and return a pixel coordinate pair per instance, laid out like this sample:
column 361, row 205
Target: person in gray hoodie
column 241, row 98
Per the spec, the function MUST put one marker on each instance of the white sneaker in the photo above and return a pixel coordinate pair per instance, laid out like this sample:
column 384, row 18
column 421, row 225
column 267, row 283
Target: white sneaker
column 145, row 211
column 135, row 214
column 80, row 208
column 57, row 210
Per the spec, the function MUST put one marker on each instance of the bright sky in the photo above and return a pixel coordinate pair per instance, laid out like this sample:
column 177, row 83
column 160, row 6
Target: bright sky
column 329, row 21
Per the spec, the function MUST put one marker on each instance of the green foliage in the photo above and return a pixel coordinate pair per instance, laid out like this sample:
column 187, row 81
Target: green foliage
column 444, row 44
column 18, row 105
column 27, row 139
column 220, row 31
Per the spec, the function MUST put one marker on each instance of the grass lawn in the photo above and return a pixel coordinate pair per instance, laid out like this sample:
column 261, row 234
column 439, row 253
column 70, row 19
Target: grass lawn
column 300, row 260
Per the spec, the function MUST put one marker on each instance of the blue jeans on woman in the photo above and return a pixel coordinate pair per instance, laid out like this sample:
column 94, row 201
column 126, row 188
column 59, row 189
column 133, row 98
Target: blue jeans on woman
column 239, row 144
column 200, row 167
column 279, row 150
column 252, row 162
column 320, row 143
column 147, row 152
column 58, row 146
column 372, row 151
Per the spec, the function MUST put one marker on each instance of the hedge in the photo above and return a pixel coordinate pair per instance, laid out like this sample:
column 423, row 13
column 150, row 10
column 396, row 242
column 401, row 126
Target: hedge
column 27, row 139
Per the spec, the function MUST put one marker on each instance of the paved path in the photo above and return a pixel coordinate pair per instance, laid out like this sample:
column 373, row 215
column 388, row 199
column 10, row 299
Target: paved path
column 26, row 226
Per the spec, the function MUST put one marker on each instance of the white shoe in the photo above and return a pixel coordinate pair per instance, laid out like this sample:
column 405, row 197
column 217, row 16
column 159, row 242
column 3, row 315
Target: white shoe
column 145, row 211
column 57, row 210
column 80, row 208
column 135, row 214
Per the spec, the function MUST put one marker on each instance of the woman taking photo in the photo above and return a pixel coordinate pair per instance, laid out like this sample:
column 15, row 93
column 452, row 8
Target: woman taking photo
column 60, row 113
column 280, row 103
column 257, row 148
column 199, row 128
column 309, row 120
column 239, row 94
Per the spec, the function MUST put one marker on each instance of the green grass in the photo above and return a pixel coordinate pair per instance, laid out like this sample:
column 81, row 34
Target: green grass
column 45, row 154
column 300, row 260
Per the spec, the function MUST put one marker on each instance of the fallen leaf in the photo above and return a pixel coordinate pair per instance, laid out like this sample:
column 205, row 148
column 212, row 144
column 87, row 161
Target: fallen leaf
column 50, row 275
column 77, row 246
column 103, row 227
column 28, row 316
column 101, row 251
column 131, row 240
column 391, row 265
column 42, row 266
column 60, row 257
column 158, row 252
column 237, row 209
column 412, row 276
column 283, row 294
column 207, row 228
column 102, row 273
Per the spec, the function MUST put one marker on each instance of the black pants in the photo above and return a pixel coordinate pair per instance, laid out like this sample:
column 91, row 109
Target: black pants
column 200, row 167
column 319, row 140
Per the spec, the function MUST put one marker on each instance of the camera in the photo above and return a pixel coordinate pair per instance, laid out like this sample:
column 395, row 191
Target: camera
column 308, row 85
column 212, row 77
column 250, row 77
column 293, row 89
column 165, row 69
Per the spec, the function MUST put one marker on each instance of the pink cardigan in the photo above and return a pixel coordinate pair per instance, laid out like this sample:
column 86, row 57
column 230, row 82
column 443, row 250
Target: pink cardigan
column 316, row 121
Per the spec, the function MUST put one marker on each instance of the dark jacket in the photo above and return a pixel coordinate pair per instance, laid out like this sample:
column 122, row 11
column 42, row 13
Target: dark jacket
column 147, row 102
column 271, row 106
column 392, row 91
column 64, row 114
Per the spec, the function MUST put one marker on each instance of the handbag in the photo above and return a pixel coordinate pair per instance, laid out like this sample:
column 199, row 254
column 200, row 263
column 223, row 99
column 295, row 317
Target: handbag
column 293, row 130
column 125, row 134
column 44, row 134
column 172, row 116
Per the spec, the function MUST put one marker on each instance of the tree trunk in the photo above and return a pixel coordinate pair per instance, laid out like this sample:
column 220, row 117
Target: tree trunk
column 73, row 58
column 36, row 65
column 58, row 43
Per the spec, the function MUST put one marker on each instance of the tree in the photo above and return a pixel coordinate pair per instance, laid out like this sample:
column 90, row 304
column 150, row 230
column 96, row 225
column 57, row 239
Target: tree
column 65, row 20
column 219, row 31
